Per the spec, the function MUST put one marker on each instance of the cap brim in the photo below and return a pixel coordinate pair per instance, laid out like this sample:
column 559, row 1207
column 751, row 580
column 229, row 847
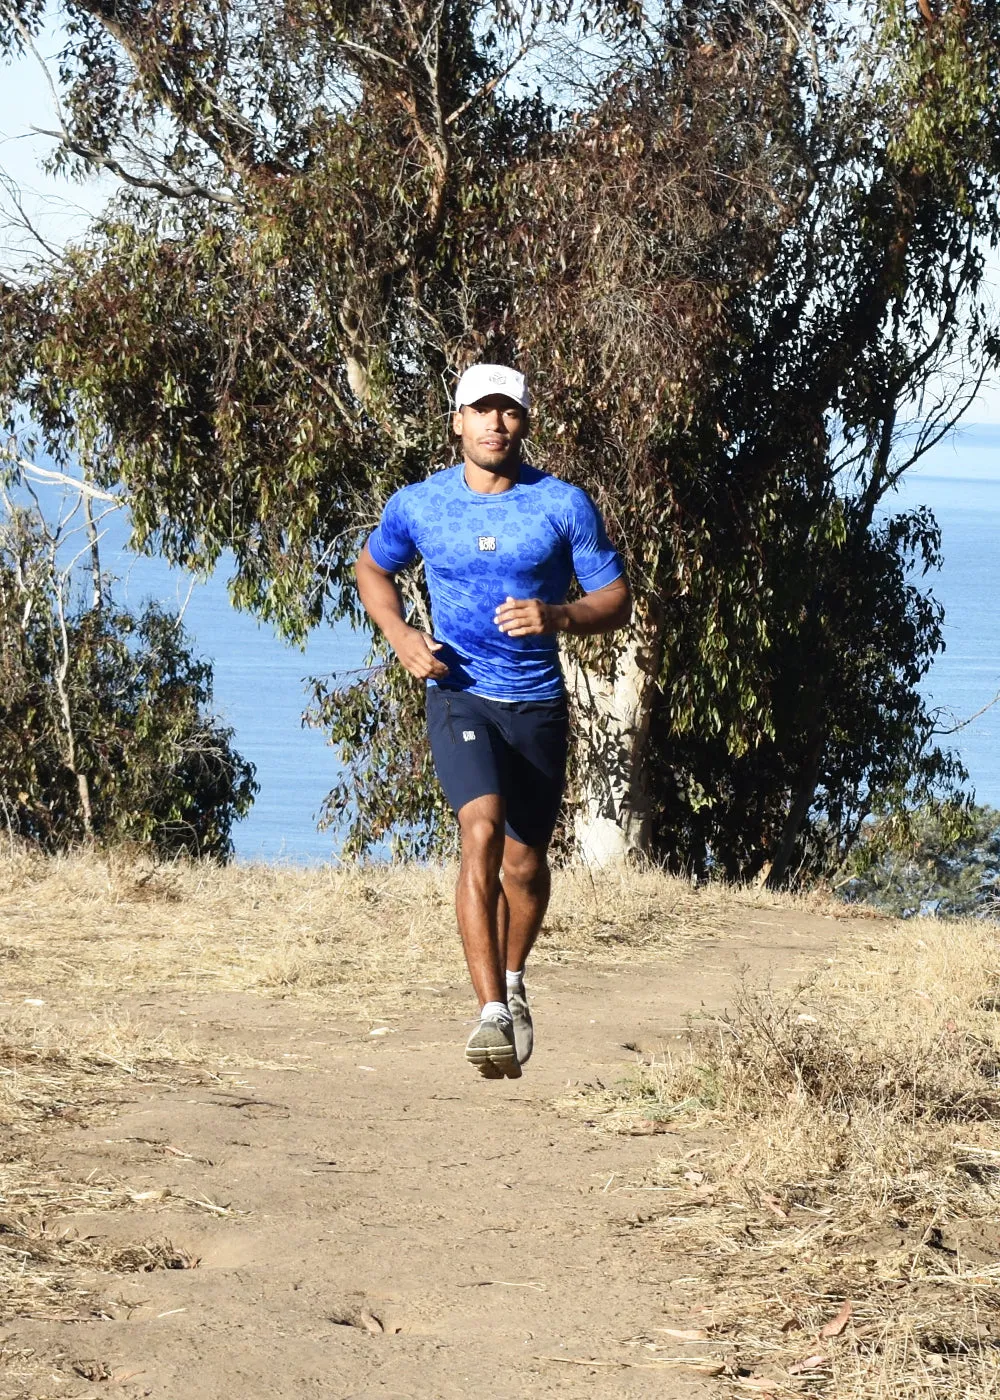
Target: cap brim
column 496, row 394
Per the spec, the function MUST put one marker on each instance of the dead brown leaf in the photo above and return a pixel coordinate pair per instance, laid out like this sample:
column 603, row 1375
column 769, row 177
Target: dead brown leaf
column 690, row 1334
column 811, row 1363
column 836, row 1325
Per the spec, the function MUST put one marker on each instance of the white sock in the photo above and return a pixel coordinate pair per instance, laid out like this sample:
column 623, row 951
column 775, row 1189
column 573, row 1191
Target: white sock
column 515, row 981
column 495, row 1011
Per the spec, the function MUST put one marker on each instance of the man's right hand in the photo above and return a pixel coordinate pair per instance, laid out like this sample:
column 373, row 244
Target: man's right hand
column 416, row 650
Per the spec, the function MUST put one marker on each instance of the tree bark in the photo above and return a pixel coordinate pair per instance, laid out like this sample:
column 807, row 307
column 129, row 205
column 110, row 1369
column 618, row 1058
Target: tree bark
column 69, row 731
column 612, row 722
column 796, row 815
column 97, row 594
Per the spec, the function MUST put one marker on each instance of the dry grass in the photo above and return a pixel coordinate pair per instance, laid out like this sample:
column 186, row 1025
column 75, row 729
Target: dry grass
column 848, row 1150
column 58, row 1075
column 368, row 939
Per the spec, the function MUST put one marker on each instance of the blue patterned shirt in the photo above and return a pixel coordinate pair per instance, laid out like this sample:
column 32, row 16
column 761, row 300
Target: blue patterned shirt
column 478, row 550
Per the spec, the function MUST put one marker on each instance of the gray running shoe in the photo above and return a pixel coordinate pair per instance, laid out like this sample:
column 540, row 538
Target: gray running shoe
column 491, row 1050
column 524, row 1034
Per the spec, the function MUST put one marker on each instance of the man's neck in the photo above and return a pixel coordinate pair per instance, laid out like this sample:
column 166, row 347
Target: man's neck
column 487, row 481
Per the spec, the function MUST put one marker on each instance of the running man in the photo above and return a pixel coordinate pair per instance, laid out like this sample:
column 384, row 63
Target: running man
column 500, row 542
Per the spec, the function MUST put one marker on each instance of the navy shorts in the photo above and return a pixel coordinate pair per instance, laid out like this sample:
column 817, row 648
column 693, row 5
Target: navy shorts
column 515, row 749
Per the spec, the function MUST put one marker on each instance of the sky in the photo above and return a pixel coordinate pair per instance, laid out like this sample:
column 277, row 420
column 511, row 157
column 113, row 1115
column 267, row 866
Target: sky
column 58, row 208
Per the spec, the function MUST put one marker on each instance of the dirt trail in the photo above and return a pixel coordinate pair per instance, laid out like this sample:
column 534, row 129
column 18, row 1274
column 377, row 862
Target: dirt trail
column 486, row 1231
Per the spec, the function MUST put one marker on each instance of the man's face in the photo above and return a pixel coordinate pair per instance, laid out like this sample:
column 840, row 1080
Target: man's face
column 492, row 430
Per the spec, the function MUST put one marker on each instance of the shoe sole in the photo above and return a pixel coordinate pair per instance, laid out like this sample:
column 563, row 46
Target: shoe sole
column 525, row 1035
column 494, row 1062
column 523, row 1032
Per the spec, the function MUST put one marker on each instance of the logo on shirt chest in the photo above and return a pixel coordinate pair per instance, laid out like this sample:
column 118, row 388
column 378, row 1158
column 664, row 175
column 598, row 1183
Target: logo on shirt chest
column 488, row 543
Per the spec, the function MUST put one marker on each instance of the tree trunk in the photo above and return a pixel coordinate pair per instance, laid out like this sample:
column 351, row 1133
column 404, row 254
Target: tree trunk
column 97, row 594
column 612, row 721
column 796, row 815
column 59, row 675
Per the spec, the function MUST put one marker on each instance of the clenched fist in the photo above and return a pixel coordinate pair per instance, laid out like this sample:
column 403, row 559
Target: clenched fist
column 415, row 650
column 528, row 617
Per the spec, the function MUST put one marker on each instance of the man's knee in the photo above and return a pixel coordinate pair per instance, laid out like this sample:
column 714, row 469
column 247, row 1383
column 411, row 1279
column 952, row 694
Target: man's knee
column 482, row 833
column 525, row 865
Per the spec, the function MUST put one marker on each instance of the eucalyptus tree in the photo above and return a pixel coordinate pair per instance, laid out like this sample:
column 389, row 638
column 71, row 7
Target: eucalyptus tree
column 106, row 730
column 729, row 242
column 860, row 348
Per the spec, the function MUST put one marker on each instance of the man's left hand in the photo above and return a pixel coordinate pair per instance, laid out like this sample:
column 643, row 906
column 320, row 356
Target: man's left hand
column 528, row 617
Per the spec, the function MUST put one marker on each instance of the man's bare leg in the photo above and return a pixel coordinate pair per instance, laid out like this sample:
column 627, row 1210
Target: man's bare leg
column 524, row 898
column 481, row 823
column 521, row 906
column 491, row 1046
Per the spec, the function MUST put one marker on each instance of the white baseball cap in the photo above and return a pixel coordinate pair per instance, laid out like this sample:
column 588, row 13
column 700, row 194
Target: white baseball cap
column 479, row 381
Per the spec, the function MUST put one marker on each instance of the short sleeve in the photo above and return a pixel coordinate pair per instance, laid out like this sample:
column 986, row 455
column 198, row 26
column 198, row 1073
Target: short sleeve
column 391, row 545
column 596, row 562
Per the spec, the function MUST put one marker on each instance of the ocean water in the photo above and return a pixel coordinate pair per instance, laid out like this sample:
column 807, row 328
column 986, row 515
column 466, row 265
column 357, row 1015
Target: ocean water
column 960, row 481
column 261, row 690
column 260, row 681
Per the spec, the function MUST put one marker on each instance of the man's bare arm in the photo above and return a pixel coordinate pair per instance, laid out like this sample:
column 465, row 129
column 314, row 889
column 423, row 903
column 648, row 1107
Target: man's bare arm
column 604, row 610
column 384, row 605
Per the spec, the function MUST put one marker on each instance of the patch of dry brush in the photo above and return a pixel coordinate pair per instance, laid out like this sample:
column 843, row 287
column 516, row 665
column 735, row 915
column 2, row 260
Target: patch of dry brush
column 849, row 1154
column 55, row 1077
column 365, row 938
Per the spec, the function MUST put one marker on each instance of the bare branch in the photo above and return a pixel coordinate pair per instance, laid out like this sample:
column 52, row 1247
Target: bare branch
column 45, row 474
column 963, row 724
column 936, row 428
column 26, row 38
column 493, row 83
column 368, row 52
column 188, row 190
column 23, row 219
column 321, row 380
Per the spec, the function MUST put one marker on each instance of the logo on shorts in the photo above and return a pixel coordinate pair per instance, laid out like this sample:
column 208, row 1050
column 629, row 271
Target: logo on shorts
column 468, row 734
column 488, row 543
